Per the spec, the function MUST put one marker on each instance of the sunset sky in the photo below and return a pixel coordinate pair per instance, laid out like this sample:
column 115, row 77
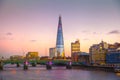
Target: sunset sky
column 31, row 25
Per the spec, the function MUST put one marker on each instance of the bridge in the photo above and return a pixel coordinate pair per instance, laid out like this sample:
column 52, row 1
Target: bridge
column 49, row 63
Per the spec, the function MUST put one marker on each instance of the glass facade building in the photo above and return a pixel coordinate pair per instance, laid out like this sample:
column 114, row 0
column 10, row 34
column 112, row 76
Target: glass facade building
column 60, row 40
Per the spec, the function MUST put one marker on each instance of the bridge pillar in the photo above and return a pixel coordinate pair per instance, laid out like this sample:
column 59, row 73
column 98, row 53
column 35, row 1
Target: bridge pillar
column 17, row 64
column 33, row 64
column 1, row 65
column 25, row 67
column 69, row 65
column 49, row 65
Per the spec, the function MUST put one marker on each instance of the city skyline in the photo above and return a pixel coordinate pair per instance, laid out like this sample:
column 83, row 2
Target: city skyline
column 32, row 25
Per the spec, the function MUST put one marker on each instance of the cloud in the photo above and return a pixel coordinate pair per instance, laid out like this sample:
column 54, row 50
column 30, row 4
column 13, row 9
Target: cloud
column 33, row 40
column 9, row 34
column 114, row 32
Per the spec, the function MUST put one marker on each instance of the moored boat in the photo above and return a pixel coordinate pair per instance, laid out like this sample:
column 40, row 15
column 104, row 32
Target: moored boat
column 117, row 69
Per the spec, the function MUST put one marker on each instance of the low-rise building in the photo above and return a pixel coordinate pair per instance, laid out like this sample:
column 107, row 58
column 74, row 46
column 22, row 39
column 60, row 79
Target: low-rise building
column 83, row 58
column 113, row 58
column 75, row 56
column 98, row 53
column 44, row 58
column 16, row 57
column 32, row 55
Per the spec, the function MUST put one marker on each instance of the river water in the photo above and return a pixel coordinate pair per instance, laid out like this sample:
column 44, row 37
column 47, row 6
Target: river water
column 57, row 73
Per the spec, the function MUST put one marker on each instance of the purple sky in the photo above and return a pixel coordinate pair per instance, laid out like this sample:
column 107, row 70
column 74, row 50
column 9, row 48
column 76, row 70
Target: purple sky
column 31, row 25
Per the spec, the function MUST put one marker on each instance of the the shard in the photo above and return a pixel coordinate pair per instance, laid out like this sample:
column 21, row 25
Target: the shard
column 60, row 40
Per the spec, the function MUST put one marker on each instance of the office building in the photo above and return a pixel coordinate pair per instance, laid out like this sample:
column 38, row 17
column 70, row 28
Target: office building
column 75, row 49
column 52, row 52
column 60, row 40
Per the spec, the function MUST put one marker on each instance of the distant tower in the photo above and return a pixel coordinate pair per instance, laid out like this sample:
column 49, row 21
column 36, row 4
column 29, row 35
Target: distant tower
column 60, row 41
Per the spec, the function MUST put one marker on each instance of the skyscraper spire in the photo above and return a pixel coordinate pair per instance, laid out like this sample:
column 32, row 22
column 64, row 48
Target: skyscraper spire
column 60, row 22
column 60, row 41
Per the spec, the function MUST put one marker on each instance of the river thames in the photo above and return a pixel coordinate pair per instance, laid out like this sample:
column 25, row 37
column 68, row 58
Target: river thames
column 57, row 73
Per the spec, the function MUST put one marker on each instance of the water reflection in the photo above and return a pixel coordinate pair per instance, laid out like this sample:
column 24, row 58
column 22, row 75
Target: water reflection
column 37, row 71
column 118, row 74
column 57, row 73
column 13, row 71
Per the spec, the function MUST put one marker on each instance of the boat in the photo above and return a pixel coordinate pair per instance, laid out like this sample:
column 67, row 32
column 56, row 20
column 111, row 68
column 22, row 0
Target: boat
column 117, row 69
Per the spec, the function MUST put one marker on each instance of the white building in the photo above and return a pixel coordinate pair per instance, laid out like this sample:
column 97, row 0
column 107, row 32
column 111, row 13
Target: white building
column 52, row 52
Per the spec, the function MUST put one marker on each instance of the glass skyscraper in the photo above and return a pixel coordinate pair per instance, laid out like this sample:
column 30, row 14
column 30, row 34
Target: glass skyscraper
column 60, row 40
